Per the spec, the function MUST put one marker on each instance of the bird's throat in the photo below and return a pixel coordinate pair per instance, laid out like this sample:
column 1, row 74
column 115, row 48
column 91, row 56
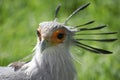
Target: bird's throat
column 56, row 62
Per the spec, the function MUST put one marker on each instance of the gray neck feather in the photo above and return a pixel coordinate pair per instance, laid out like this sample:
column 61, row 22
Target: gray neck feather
column 54, row 63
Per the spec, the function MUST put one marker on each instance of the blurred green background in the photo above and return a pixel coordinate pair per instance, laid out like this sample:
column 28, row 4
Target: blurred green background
column 19, row 20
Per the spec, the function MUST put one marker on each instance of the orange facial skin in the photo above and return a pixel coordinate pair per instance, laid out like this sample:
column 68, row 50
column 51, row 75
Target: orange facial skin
column 57, row 36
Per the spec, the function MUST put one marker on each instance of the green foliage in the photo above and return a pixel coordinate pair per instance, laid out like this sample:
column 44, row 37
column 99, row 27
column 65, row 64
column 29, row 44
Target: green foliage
column 19, row 20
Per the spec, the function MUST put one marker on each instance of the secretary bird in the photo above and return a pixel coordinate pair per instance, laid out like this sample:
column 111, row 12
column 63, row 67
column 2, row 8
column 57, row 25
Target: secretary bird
column 52, row 58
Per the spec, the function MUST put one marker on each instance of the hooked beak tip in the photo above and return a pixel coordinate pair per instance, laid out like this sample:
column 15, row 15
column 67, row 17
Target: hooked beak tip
column 42, row 45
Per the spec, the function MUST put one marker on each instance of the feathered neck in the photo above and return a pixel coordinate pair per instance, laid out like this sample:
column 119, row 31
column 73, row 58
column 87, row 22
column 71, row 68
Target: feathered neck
column 56, row 63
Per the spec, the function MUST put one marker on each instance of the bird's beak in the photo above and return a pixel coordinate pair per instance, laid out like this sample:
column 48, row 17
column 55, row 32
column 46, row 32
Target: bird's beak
column 43, row 45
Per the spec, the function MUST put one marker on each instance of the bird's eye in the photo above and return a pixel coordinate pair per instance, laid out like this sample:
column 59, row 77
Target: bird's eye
column 58, row 36
column 38, row 34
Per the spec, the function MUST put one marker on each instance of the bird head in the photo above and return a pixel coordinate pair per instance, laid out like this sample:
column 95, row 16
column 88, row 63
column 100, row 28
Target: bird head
column 54, row 34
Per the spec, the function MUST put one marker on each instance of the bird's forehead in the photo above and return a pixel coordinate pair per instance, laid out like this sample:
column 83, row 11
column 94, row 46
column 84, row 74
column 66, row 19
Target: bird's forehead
column 49, row 27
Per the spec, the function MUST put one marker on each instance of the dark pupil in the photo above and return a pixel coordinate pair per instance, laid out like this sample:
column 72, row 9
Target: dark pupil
column 60, row 35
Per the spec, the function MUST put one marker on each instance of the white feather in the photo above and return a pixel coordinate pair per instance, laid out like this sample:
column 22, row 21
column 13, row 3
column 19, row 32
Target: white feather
column 54, row 63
